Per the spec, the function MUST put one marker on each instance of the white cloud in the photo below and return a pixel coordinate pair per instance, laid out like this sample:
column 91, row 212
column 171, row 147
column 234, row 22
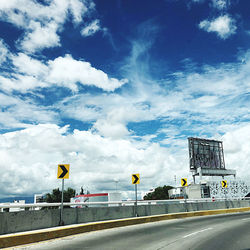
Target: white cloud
column 28, row 65
column 16, row 113
column 237, row 150
column 214, row 96
column 198, row 1
column 39, row 37
column 203, row 103
column 78, row 9
column 30, row 73
column 42, row 23
column 67, row 72
column 3, row 51
column 21, row 83
column 95, row 161
column 91, row 29
column 217, row 4
column 223, row 26
column 220, row 4
column 108, row 128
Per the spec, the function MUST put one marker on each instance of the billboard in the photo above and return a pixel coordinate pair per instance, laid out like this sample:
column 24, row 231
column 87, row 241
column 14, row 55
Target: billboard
column 205, row 154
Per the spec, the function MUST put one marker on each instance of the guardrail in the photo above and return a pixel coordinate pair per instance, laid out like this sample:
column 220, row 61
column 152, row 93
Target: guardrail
column 35, row 206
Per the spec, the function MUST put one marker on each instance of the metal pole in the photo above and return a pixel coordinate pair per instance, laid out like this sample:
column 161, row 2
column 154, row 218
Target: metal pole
column 136, row 200
column 185, row 200
column 61, row 215
column 116, row 186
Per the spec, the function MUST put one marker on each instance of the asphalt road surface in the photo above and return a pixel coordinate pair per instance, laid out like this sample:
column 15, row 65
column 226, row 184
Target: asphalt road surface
column 230, row 231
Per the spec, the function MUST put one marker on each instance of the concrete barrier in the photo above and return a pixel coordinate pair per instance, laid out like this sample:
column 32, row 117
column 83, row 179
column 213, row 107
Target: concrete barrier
column 13, row 222
column 52, row 233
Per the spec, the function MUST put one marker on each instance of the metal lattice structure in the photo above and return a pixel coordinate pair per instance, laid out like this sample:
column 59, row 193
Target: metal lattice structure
column 206, row 154
column 206, row 158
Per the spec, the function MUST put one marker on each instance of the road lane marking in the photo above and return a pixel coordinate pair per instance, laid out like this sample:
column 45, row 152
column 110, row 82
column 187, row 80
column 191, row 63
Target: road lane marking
column 246, row 219
column 188, row 235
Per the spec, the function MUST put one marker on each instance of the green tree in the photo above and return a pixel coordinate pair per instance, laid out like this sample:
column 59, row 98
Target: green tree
column 160, row 193
column 56, row 195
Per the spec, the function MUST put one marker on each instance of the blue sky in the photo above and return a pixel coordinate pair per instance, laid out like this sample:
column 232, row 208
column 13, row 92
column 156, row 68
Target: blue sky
column 116, row 87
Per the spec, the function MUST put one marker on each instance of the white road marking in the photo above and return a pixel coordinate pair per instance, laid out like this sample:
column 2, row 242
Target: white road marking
column 246, row 219
column 188, row 235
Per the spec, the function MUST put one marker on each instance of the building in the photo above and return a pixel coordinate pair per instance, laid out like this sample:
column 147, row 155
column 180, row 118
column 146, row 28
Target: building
column 177, row 193
column 214, row 189
column 13, row 209
column 99, row 197
column 38, row 198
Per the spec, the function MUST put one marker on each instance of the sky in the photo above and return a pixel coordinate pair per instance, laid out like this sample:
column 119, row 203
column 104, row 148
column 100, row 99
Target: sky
column 115, row 87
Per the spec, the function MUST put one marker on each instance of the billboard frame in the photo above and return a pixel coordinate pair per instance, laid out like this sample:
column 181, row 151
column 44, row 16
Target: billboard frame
column 206, row 158
column 205, row 154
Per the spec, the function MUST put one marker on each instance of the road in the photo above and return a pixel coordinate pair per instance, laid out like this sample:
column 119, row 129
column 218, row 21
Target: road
column 230, row 231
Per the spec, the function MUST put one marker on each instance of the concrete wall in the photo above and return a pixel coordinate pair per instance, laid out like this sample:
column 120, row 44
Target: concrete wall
column 194, row 191
column 11, row 222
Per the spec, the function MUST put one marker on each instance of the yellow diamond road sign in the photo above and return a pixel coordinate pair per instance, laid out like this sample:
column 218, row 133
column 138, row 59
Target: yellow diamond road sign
column 135, row 178
column 63, row 171
column 224, row 184
column 184, row 182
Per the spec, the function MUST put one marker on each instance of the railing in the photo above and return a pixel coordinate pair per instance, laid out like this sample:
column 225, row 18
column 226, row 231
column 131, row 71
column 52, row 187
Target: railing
column 35, row 206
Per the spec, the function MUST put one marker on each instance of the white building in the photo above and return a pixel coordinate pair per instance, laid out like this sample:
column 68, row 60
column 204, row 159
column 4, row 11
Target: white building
column 177, row 193
column 13, row 209
column 99, row 197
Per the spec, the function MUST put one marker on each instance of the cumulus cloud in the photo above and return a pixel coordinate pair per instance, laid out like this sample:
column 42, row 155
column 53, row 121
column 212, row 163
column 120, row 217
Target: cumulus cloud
column 29, row 65
column 68, row 72
column 91, row 29
column 30, row 74
column 214, row 95
column 223, row 26
column 205, row 103
column 95, row 161
column 38, row 37
column 21, row 83
column 237, row 149
column 108, row 128
column 42, row 22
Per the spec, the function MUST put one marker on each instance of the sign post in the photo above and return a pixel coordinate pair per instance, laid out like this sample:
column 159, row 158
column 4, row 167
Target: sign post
column 135, row 181
column 61, row 214
column 62, row 173
column 184, row 184
column 224, row 186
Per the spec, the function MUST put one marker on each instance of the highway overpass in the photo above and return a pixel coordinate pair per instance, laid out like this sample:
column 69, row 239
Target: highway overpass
column 45, row 223
column 229, row 231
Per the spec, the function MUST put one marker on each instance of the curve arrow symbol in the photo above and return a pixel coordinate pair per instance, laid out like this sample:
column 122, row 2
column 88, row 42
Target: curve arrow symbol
column 184, row 182
column 65, row 171
column 135, row 179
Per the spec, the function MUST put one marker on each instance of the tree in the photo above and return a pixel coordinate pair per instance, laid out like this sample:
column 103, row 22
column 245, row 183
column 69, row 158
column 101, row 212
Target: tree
column 56, row 195
column 160, row 193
